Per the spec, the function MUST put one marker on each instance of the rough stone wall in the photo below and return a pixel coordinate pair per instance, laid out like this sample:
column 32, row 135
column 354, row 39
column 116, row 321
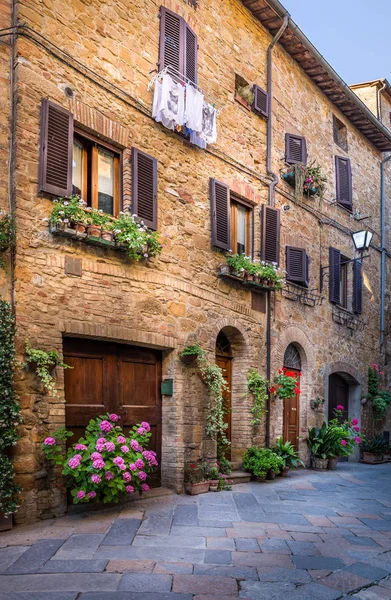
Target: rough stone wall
column 177, row 298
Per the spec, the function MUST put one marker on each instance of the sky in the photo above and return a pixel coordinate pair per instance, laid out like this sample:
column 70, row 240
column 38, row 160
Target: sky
column 353, row 35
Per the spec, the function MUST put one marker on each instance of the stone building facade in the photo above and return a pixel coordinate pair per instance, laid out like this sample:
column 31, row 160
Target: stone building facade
column 95, row 60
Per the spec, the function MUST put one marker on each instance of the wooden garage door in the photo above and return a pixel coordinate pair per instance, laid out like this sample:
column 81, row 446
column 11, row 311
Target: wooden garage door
column 113, row 378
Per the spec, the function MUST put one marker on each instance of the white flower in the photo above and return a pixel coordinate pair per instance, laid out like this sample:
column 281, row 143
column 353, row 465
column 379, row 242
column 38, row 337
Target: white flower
column 66, row 203
column 61, row 212
column 45, row 220
column 146, row 255
column 66, row 220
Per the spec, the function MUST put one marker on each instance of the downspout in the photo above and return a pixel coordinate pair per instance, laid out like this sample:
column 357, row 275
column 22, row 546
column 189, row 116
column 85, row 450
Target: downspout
column 383, row 249
column 11, row 182
column 271, row 202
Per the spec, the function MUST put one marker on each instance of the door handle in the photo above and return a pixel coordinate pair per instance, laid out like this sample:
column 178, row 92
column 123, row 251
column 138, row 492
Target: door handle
column 294, row 409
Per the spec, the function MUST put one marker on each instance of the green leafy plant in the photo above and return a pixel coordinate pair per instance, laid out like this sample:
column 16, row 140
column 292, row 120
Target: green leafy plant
column 139, row 241
column 337, row 438
column 10, row 416
column 194, row 472
column 104, row 464
column 44, row 362
column 287, row 382
column 317, row 442
column 212, row 376
column 225, row 466
column 7, row 233
column 380, row 399
column 257, row 386
column 194, row 350
column 242, row 264
column 317, row 403
column 288, row 454
column 377, row 445
column 259, row 461
column 68, row 211
column 307, row 179
column 212, row 471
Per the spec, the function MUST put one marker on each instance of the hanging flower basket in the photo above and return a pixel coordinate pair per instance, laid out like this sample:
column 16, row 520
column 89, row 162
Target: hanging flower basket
column 308, row 180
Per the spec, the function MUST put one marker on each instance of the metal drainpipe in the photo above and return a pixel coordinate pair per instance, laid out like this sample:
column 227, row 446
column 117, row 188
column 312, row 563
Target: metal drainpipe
column 383, row 249
column 11, row 183
column 271, row 202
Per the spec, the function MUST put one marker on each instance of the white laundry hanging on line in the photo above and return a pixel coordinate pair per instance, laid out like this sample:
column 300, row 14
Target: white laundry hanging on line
column 194, row 108
column 157, row 113
column 172, row 102
column 209, row 128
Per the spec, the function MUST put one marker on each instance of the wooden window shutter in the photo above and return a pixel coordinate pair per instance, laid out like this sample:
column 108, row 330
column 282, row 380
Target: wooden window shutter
column 56, row 149
column 171, row 47
column 191, row 54
column 343, row 174
column 144, row 187
column 270, row 234
column 297, row 265
column 220, row 214
column 261, row 101
column 295, row 149
column 334, row 276
column 357, row 287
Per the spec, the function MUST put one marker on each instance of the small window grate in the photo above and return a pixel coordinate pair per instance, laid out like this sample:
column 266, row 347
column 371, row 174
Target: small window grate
column 292, row 358
column 223, row 345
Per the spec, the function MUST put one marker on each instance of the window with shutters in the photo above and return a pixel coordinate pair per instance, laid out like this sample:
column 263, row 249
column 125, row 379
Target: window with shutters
column 270, row 234
column 96, row 173
column 252, row 97
column 343, row 174
column 144, row 188
column 340, row 134
column 297, row 266
column 345, row 282
column 178, row 46
column 295, row 149
column 240, row 226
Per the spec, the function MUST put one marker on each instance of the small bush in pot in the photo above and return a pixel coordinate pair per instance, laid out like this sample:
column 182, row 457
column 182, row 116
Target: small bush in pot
column 289, row 456
column 68, row 212
column 190, row 354
column 259, row 461
column 373, row 450
column 212, row 475
column 195, row 478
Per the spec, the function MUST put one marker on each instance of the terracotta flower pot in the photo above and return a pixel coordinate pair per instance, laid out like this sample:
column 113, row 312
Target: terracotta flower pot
column 320, row 463
column 107, row 235
column 80, row 228
column 372, row 458
column 6, row 523
column 271, row 474
column 332, row 463
column 193, row 489
column 213, row 485
column 95, row 230
column 284, row 472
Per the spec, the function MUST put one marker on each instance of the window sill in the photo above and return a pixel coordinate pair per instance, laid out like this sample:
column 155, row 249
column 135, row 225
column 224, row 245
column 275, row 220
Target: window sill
column 226, row 273
column 242, row 102
column 84, row 237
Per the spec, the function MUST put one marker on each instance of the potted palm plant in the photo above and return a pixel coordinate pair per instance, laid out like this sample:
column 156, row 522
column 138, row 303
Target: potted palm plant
column 289, row 456
column 317, row 445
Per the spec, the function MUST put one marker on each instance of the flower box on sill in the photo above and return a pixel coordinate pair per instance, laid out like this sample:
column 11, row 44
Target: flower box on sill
column 245, row 279
column 75, row 234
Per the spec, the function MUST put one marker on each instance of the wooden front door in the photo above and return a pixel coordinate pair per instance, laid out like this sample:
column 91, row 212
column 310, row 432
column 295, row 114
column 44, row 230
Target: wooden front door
column 225, row 364
column 113, row 378
column 338, row 395
column 292, row 417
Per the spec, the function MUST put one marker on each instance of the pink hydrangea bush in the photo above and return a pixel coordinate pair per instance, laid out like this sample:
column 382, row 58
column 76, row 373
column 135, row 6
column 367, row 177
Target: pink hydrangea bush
column 105, row 465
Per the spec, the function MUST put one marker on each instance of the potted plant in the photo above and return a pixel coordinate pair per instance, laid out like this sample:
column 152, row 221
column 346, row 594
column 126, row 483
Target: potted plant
column 380, row 399
column 306, row 179
column 189, row 354
column 262, row 462
column 43, row 363
column 267, row 274
column 316, row 442
column 213, row 476
column 289, row 456
column 69, row 213
column 373, row 451
column 194, row 479
column 287, row 384
column 97, row 221
column 105, row 465
column 135, row 238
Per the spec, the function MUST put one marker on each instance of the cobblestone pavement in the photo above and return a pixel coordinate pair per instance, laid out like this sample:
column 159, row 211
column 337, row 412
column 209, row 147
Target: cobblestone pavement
column 313, row 535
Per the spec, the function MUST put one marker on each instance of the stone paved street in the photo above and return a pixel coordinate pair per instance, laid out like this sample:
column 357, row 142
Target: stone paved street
column 314, row 535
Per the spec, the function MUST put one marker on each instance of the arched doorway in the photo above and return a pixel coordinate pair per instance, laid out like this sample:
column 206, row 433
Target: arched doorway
column 291, row 418
column 224, row 361
column 338, row 396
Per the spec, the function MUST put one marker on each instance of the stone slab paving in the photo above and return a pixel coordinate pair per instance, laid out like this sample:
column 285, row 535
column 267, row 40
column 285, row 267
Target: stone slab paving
column 313, row 535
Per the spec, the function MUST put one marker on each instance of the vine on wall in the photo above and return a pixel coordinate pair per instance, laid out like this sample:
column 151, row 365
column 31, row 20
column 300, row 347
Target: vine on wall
column 10, row 416
column 257, row 386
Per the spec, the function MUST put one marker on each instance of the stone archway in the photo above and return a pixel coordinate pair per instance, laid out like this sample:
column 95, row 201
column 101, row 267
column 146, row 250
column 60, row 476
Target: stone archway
column 297, row 337
column 352, row 379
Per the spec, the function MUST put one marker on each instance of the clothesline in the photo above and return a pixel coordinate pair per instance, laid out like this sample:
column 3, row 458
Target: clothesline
column 180, row 78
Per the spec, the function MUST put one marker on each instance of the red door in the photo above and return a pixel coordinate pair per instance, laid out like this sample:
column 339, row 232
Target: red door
column 113, row 378
column 291, row 429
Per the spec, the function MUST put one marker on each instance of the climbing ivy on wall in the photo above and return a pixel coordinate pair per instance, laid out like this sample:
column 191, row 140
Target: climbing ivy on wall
column 9, row 410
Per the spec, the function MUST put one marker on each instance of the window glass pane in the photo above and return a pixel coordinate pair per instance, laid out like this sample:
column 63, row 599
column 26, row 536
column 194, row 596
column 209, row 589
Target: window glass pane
column 105, row 181
column 77, row 168
column 242, row 233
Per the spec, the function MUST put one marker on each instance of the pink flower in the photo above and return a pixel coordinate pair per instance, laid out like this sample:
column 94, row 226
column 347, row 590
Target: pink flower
column 132, row 467
column 136, row 446
column 357, row 440
column 49, row 441
column 381, row 372
column 356, row 429
column 129, row 489
column 121, row 439
column 124, row 449
column 145, row 487
column 122, row 467
column 343, row 442
column 139, row 463
column 80, row 494
column 74, row 463
column 78, row 456
column 113, row 417
column 105, row 426
column 95, row 478
column 95, row 456
column 374, row 366
column 127, row 477
column 98, row 464
column 118, row 460
column 340, row 407
column 99, row 447
column 142, row 475
column 354, row 421
column 146, row 426
column 141, row 431
column 101, row 440
column 110, row 446
column 91, row 494
column 80, row 447
column 108, row 475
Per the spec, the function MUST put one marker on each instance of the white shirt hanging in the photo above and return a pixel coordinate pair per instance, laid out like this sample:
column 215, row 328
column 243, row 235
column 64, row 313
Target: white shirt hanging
column 172, row 102
column 194, row 107
column 209, row 129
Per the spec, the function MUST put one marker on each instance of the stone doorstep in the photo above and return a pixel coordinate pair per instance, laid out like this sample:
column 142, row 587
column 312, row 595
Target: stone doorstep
column 237, row 477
